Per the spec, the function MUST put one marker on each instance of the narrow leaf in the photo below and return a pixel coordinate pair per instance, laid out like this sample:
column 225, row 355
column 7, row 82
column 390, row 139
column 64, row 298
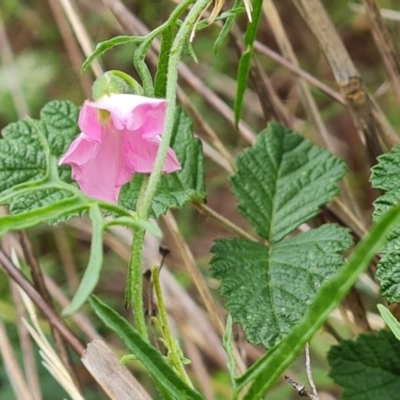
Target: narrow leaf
column 150, row 357
column 368, row 368
column 230, row 20
column 102, row 47
column 390, row 320
column 32, row 218
column 92, row 273
column 245, row 60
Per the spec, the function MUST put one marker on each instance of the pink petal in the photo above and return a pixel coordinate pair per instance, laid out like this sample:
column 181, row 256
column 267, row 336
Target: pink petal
column 97, row 166
column 140, row 154
column 89, row 121
column 134, row 113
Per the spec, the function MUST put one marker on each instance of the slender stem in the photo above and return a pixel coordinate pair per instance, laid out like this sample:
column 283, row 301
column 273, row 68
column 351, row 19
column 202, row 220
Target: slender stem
column 172, row 83
column 228, row 225
column 50, row 314
column 174, row 351
column 134, row 284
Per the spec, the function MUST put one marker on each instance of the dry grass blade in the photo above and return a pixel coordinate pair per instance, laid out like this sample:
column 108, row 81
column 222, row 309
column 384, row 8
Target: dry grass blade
column 286, row 48
column 384, row 43
column 14, row 372
column 114, row 378
column 367, row 116
column 50, row 359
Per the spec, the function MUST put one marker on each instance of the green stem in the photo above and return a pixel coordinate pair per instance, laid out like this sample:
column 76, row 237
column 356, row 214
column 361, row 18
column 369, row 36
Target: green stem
column 176, row 50
column 134, row 285
column 142, row 50
column 174, row 351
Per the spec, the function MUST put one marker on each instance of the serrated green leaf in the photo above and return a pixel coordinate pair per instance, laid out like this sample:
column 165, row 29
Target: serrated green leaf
column 390, row 320
column 92, row 272
column 270, row 289
column 368, row 368
column 245, row 59
column 23, row 155
column 385, row 176
column 178, row 188
column 283, row 180
column 151, row 358
column 266, row 370
column 102, row 47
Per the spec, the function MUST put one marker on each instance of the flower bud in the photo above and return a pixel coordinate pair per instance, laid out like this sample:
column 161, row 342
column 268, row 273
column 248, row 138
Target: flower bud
column 115, row 82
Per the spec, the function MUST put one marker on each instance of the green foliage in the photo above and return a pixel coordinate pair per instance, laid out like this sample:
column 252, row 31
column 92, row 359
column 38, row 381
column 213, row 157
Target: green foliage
column 385, row 177
column 269, row 289
column 266, row 370
column 178, row 188
column 151, row 358
column 281, row 181
column 40, row 191
column 26, row 147
column 103, row 47
column 367, row 368
column 245, row 60
column 230, row 20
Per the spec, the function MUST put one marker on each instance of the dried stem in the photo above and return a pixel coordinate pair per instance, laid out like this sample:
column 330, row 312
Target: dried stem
column 26, row 346
column 367, row 116
column 54, row 320
column 299, row 72
column 224, row 222
column 309, row 373
column 14, row 372
column 384, row 44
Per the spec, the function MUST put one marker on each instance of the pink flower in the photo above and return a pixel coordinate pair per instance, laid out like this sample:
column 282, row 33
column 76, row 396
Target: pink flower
column 120, row 136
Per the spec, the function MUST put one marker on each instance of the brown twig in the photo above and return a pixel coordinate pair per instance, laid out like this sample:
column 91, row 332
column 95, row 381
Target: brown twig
column 384, row 44
column 224, row 222
column 54, row 320
column 285, row 46
column 334, row 95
